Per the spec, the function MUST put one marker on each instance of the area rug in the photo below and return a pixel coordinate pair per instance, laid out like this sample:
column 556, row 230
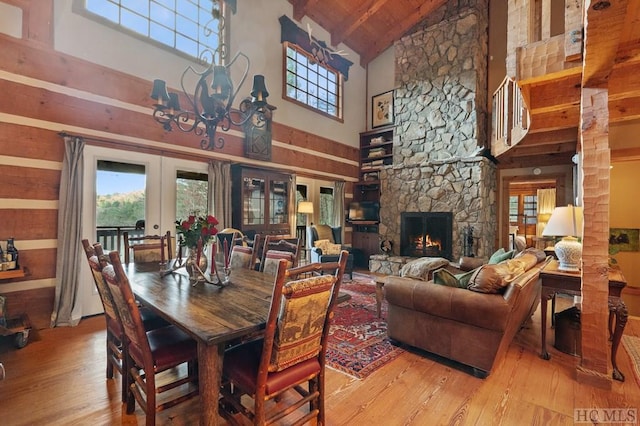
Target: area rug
column 632, row 346
column 358, row 343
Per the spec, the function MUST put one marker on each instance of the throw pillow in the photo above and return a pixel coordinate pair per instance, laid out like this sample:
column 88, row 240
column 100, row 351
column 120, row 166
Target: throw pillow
column 445, row 277
column 494, row 278
column 332, row 249
column 420, row 268
column 322, row 245
column 499, row 256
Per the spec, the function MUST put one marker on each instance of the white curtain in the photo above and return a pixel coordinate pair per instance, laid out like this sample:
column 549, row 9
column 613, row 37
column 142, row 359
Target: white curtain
column 220, row 192
column 546, row 204
column 67, row 307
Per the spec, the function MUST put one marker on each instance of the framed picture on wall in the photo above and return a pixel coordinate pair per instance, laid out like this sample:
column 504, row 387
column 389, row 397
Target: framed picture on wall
column 382, row 113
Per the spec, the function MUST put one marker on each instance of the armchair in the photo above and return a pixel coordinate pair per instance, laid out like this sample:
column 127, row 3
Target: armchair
column 334, row 237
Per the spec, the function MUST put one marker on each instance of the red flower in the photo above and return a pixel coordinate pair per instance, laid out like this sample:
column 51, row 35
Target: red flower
column 212, row 220
column 186, row 225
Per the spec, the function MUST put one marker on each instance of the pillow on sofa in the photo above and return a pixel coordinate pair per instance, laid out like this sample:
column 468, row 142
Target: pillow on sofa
column 445, row 277
column 420, row 268
column 499, row 256
column 494, row 278
column 322, row 245
column 332, row 249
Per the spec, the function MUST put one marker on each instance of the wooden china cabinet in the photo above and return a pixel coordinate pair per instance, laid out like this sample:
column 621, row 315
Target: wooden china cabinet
column 261, row 200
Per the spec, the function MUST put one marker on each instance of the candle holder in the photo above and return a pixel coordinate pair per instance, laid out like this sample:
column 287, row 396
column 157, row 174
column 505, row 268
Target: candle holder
column 227, row 275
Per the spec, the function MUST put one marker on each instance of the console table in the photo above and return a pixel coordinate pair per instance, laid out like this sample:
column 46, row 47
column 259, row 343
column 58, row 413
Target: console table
column 555, row 281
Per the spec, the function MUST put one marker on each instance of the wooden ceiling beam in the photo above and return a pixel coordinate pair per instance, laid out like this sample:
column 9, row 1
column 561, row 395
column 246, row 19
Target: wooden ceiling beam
column 550, row 138
column 376, row 47
column 603, row 30
column 300, row 8
column 351, row 23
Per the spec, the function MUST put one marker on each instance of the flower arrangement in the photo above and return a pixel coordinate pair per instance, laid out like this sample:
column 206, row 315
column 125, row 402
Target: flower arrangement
column 196, row 228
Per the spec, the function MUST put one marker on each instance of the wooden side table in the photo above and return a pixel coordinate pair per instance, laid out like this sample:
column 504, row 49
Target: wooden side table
column 555, row 281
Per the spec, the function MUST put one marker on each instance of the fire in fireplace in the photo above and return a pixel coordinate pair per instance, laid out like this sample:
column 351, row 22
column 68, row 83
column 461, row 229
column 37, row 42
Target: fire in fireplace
column 426, row 234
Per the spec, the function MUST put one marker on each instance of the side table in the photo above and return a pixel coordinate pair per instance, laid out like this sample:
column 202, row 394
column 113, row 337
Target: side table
column 555, row 281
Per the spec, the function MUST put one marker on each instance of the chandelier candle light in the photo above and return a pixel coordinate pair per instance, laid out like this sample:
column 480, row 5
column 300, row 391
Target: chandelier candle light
column 211, row 103
column 566, row 222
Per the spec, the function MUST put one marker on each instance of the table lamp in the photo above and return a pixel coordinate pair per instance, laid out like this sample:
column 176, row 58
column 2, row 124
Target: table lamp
column 566, row 222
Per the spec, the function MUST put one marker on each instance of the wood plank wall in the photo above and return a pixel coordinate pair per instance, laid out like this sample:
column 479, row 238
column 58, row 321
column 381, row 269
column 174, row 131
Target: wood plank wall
column 46, row 92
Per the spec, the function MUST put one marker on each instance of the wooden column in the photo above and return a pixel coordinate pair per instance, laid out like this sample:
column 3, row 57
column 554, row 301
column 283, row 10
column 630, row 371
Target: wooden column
column 603, row 25
column 594, row 366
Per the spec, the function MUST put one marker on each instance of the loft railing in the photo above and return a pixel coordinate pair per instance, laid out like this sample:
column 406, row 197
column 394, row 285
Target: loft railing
column 510, row 117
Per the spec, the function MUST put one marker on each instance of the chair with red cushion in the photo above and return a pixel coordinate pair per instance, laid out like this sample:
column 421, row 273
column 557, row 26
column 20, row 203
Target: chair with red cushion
column 150, row 353
column 97, row 260
column 291, row 353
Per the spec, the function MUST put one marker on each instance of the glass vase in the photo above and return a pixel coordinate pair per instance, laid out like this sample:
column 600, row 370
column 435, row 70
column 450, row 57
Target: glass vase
column 196, row 273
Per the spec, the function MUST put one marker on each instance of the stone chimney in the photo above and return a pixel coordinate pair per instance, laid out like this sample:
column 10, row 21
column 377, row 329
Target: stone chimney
column 441, row 128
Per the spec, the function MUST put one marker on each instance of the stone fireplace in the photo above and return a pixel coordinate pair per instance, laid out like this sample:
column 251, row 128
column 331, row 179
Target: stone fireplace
column 439, row 161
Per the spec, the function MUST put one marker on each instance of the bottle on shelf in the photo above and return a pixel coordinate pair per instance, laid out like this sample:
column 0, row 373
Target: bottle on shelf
column 12, row 255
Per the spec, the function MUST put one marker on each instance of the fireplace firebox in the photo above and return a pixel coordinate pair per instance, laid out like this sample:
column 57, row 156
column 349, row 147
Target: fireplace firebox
column 426, row 234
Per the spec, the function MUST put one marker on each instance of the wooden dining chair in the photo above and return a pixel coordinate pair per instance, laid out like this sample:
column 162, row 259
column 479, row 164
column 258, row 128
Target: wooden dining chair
column 115, row 337
column 243, row 256
column 277, row 247
column 291, row 353
column 148, row 248
column 152, row 352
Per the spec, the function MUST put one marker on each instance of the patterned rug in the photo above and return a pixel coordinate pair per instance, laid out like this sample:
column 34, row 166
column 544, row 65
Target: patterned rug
column 358, row 343
column 632, row 346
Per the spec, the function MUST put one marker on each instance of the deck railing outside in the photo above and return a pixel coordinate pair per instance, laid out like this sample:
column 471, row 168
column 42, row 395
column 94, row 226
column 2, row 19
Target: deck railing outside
column 111, row 236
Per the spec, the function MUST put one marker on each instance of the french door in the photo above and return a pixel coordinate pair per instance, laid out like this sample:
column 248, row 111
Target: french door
column 125, row 190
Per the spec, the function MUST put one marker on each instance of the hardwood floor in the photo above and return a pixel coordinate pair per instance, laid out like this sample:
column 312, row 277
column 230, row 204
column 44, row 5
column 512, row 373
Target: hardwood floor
column 59, row 379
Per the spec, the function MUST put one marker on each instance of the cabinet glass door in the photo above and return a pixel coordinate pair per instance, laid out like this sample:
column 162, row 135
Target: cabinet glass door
column 254, row 201
column 278, row 202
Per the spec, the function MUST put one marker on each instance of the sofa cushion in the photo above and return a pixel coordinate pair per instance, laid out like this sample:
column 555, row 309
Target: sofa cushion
column 420, row 268
column 499, row 256
column 325, row 233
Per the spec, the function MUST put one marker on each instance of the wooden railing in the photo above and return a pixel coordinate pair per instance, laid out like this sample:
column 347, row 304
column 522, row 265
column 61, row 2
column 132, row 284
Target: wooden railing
column 510, row 117
column 111, row 236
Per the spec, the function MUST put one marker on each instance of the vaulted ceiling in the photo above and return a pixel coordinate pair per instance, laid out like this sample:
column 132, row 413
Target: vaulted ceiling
column 368, row 27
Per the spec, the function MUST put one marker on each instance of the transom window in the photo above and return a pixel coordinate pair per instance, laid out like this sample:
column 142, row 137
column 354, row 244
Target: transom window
column 312, row 84
column 178, row 24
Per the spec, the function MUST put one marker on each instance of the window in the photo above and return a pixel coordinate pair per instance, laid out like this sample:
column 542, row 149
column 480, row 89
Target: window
column 326, row 206
column 179, row 25
column 191, row 194
column 312, row 84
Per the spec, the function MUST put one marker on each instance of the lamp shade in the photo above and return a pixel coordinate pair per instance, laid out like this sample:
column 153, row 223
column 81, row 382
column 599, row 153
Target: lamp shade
column 259, row 91
column 566, row 222
column 305, row 207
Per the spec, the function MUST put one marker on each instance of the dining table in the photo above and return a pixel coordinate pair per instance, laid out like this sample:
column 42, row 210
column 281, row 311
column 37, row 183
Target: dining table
column 214, row 316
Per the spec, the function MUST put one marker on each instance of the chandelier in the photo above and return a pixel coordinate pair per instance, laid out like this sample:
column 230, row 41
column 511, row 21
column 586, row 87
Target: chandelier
column 211, row 101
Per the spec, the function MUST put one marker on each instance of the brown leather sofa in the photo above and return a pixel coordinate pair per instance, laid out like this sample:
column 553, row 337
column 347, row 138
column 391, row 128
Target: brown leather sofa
column 469, row 327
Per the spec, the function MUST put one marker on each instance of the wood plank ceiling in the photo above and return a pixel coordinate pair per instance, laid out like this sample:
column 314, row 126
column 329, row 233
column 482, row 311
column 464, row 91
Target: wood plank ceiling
column 369, row 27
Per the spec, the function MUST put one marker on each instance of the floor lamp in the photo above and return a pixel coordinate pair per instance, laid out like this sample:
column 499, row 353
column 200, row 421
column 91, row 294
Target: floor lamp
column 305, row 208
